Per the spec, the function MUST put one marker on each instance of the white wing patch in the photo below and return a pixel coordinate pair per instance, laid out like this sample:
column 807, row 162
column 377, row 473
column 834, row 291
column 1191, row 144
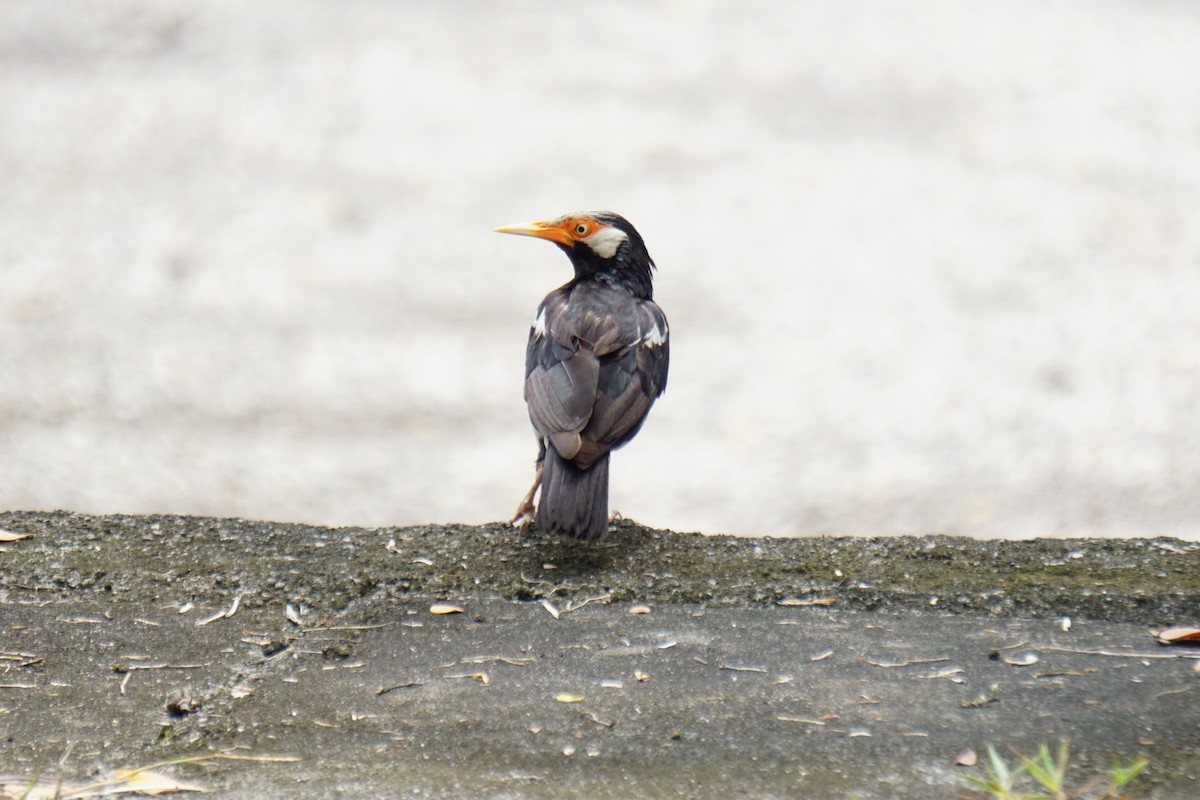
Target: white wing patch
column 656, row 336
column 539, row 323
column 606, row 240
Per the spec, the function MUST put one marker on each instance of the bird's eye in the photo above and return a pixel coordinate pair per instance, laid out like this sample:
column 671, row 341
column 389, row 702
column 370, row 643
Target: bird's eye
column 581, row 228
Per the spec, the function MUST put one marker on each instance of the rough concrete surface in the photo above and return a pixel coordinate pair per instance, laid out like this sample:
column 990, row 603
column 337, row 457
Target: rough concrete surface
column 929, row 266
column 772, row 668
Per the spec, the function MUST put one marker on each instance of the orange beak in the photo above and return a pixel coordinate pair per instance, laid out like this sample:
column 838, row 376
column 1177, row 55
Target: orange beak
column 556, row 231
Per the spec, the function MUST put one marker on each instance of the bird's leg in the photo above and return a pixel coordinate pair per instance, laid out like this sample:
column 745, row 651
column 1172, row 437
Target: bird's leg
column 526, row 511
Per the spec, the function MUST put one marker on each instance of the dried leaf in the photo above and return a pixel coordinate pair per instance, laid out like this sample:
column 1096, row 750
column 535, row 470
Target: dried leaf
column 551, row 608
column 445, row 608
column 967, row 758
column 14, row 786
column 13, row 536
column 639, row 610
column 1022, row 660
column 123, row 782
column 564, row 697
column 1175, row 635
column 152, row 783
column 145, row 781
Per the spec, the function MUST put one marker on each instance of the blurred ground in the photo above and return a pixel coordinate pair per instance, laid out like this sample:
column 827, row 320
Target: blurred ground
column 929, row 267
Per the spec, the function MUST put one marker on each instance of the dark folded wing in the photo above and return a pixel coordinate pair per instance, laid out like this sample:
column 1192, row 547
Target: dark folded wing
column 629, row 381
column 560, row 376
column 560, row 393
column 595, row 363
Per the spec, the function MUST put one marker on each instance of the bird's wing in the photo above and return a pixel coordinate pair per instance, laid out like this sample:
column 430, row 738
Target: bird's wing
column 628, row 383
column 596, row 361
column 560, row 393
column 560, row 376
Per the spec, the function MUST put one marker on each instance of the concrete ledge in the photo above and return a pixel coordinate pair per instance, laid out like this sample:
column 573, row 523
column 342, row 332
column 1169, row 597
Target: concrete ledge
column 824, row 667
column 207, row 560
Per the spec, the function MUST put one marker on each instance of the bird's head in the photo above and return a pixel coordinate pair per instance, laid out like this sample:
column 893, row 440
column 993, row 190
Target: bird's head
column 601, row 245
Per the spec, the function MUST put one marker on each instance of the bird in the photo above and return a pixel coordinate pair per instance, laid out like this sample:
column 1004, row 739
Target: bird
column 595, row 362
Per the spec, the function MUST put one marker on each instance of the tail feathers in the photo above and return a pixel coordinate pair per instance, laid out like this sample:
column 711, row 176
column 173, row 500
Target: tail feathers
column 574, row 501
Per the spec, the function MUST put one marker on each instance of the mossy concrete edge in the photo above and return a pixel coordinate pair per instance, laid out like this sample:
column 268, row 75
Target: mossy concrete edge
column 157, row 558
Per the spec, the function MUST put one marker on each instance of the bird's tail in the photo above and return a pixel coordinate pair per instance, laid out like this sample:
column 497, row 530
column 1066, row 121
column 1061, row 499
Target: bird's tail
column 574, row 501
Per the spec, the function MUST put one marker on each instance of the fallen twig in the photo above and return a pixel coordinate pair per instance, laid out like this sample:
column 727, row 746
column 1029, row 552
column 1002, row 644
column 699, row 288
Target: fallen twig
column 604, row 598
column 121, row 667
column 909, row 663
column 386, row 689
column 229, row 612
column 1114, row 654
column 515, row 662
column 349, row 627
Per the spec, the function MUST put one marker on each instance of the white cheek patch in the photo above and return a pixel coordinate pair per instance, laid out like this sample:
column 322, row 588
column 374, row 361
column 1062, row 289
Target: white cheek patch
column 605, row 241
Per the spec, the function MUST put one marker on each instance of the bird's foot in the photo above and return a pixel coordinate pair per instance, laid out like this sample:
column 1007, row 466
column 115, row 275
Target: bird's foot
column 526, row 511
column 524, row 517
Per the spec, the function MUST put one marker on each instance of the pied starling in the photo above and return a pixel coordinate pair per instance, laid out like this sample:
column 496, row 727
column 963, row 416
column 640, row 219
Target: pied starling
column 595, row 363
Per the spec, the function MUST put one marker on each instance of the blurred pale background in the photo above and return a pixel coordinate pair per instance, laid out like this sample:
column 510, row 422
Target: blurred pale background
column 930, row 266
